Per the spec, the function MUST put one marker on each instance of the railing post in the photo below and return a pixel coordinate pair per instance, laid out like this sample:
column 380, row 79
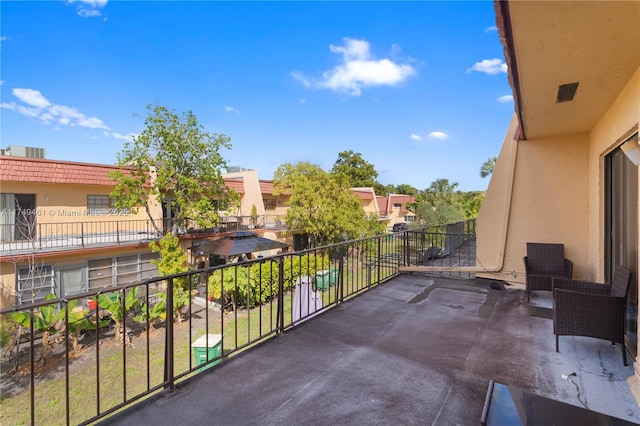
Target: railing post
column 168, row 346
column 82, row 234
column 118, row 231
column 341, row 272
column 379, row 268
column 280, row 315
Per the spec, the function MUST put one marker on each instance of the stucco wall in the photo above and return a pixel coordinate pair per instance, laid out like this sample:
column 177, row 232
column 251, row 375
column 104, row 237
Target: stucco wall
column 549, row 203
column 66, row 203
column 557, row 195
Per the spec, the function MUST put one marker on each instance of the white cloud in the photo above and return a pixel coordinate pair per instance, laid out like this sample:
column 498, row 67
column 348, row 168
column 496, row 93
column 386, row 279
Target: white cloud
column 438, row 135
column 491, row 29
column 302, row 101
column 1, row 82
column 37, row 106
column 89, row 8
column 489, row 66
column 31, row 97
column 359, row 69
column 231, row 110
column 506, row 98
column 88, row 13
column 127, row 138
column 415, row 137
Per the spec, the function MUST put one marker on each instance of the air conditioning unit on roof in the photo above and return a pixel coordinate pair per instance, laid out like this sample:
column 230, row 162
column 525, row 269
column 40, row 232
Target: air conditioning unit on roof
column 25, row 151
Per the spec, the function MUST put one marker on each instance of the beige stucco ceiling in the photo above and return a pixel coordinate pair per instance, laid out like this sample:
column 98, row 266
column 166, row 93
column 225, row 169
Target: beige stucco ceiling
column 595, row 43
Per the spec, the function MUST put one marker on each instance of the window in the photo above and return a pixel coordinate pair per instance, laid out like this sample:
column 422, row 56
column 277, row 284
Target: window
column 100, row 272
column 397, row 205
column 35, row 282
column 121, row 269
column 98, row 202
column 409, row 218
column 269, row 203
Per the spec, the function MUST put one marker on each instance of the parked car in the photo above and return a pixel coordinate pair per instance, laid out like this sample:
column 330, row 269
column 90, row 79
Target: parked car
column 398, row 227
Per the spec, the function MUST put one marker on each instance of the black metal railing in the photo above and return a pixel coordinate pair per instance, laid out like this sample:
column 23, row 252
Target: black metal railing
column 141, row 338
column 39, row 237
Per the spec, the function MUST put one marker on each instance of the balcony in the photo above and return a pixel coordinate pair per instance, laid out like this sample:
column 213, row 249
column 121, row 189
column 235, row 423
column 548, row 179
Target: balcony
column 369, row 345
column 55, row 237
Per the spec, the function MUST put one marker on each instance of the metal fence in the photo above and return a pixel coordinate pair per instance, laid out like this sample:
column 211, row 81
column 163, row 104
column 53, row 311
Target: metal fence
column 39, row 237
column 145, row 337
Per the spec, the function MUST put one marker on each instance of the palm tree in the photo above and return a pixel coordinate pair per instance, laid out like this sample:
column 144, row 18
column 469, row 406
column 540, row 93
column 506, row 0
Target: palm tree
column 487, row 167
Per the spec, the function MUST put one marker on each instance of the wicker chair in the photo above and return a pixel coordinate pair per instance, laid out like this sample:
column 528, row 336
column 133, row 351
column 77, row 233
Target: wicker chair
column 543, row 262
column 583, row 308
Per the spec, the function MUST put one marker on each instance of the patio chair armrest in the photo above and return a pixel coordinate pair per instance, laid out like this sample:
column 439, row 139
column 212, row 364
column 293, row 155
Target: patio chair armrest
column 587, row 303
column 580, row 286
column 568, row 268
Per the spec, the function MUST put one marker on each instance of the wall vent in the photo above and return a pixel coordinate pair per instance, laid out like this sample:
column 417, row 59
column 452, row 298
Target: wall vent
column 566, row 92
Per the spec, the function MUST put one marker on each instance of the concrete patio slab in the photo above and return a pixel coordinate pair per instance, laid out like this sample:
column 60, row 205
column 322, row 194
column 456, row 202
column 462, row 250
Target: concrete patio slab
column 415, row 350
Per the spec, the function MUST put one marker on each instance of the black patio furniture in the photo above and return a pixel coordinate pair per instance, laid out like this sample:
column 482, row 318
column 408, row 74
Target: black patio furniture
column 543, row 262
column 584, row 308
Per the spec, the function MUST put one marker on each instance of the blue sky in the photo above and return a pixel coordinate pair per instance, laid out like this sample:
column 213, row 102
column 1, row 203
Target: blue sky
column 418, row 88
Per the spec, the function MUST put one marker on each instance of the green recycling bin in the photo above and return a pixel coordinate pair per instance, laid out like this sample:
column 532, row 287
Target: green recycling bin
column 326, row 278
column 202, row 353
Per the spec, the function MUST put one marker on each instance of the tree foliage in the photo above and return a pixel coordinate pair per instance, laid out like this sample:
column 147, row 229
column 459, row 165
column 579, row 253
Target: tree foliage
column 358, row 172
column 172, row 260
column 440, row 203
column 487, row 167
column 438, row 214
column 176, row 160
column 321, row 204
column 247, row 286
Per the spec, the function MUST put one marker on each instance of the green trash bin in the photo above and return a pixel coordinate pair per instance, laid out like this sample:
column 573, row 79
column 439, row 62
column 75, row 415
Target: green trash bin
column 326, row 278
column 202, row 353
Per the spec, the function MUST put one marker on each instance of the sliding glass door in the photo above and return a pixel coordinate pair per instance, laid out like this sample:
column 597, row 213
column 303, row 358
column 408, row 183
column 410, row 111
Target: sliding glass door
column 621, row 232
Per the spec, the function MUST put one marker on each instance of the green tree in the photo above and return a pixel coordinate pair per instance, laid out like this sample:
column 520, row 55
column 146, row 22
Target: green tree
column 439, row 214
column 172, row 260
column 440, row 190
column 405, row 189
column 488, row 166
column 470, row 203
column 177, row 161
column 321, row 204
column 358, row 171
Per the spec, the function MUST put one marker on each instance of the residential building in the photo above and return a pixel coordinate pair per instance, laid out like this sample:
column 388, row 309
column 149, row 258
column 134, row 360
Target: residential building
column 568, row 168
column 60, row 232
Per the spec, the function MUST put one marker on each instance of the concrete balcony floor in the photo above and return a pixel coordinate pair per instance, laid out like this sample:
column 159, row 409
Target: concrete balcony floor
column 415, row 350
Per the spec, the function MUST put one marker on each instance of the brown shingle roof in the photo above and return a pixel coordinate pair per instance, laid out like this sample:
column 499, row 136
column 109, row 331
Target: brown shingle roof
column 266, row 186
column 21, row 169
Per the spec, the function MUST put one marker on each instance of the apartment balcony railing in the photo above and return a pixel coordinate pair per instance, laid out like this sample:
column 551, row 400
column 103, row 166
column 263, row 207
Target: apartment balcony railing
column 43, row 237
column 227, row 308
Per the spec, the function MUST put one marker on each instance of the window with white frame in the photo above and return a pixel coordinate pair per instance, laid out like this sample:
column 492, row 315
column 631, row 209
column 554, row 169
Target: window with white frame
column 34, row 282
column 121, row 269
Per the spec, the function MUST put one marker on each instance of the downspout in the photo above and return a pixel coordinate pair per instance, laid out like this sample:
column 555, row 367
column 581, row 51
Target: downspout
column 505, row 224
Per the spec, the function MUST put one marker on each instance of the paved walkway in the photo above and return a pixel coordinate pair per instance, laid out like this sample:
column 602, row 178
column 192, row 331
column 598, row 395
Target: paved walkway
column 416, row 350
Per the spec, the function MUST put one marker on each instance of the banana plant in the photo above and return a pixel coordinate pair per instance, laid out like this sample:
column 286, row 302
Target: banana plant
column 51, row 321
column 156, row 312
column 118, row 310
